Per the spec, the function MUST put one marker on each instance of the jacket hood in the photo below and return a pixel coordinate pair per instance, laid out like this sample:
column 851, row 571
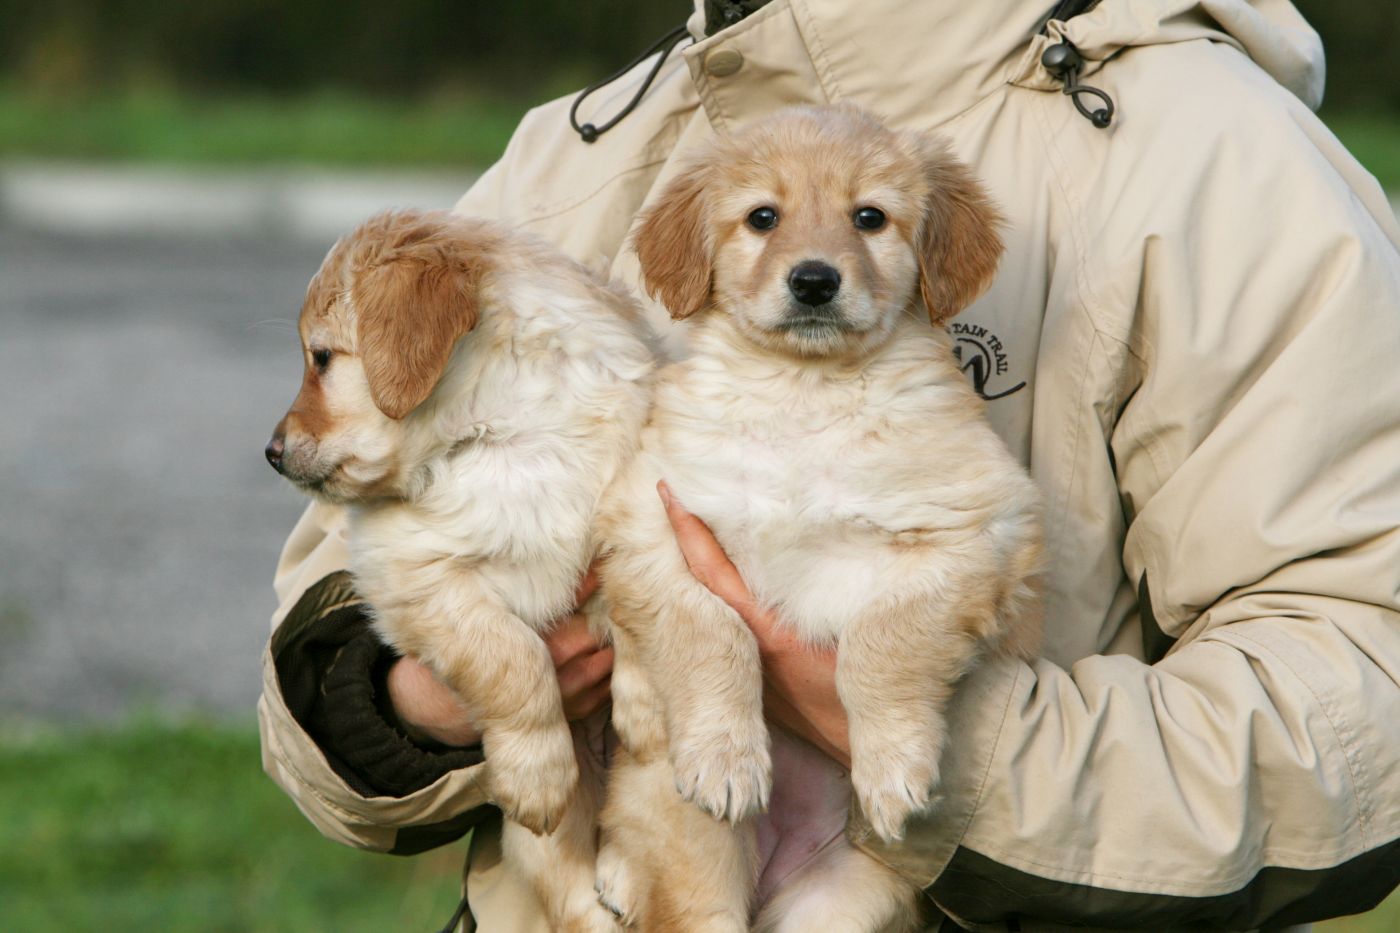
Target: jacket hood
column 1271, row 32
column 960, row 52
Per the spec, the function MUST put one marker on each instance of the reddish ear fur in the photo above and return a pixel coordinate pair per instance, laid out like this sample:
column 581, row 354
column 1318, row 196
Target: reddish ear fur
column 960, row 245
column 411, row 309
column 673, row 245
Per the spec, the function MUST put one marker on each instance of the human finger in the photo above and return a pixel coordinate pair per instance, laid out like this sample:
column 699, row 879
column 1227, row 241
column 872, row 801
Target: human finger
column 587, row 703
column 569, row 639
column 426, row 707
column 703, row 554
column 585, row 671
column 780, row 709
column 588, row 585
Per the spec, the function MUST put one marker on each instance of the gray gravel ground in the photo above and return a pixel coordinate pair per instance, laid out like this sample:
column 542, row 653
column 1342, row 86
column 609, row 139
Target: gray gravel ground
column 139, row 524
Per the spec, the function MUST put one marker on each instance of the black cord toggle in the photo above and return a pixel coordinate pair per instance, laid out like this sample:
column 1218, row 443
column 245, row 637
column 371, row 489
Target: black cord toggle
column 1064, row 62
column 721, row 14
column 665, row 45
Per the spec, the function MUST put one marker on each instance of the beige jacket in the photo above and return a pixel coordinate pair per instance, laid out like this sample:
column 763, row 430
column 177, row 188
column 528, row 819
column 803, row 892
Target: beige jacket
column 1193, row 342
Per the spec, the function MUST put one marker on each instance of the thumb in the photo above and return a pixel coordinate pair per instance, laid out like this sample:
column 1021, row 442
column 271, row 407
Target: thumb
column 703, row 554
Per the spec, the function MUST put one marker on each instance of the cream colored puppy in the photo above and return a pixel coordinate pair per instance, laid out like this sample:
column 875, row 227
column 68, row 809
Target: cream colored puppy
column 825, row 433
column 469, row 393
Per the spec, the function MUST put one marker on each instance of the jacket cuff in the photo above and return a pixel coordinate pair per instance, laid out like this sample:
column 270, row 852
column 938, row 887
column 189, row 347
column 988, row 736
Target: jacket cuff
column 354, row 718
column 974, row 722
column 331, row 673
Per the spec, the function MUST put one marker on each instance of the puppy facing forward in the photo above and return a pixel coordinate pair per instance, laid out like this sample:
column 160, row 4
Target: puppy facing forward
column 468, row 393
column 824, row 432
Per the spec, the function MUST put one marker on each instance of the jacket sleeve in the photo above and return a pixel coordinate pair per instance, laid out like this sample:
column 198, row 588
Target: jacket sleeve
column 1251, row 776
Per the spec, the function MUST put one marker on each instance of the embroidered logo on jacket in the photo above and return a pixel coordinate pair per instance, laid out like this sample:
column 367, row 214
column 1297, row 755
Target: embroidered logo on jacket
column 983, row 358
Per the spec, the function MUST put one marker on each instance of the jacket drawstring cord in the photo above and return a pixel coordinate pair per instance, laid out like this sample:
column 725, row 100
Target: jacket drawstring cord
column 1064, row 62
column 457, row 916
column 665, row 45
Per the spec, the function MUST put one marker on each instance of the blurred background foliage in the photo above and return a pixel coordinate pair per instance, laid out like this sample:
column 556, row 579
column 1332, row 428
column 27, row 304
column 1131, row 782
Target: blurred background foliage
column 331, row 82
column 410, row 47
column 428, row 47
column 419, row 82
column 1362, row 39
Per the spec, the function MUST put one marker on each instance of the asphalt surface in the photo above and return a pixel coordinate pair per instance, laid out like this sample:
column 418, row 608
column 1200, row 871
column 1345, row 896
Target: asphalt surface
column 140, row 377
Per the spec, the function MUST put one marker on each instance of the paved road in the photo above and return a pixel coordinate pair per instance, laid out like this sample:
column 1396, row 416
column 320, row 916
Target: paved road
column 139, row 524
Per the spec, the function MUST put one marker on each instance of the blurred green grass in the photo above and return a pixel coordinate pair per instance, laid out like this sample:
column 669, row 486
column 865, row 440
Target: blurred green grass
column 174, row 827
column 332, row 129
column 1374, row 139
column 340, row 129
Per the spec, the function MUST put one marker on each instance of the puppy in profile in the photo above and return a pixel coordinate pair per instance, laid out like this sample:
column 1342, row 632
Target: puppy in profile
column 468, row 393
column 824, row 432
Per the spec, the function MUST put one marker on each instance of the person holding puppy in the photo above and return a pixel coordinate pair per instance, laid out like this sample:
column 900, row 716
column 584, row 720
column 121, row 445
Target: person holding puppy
column 1189, row 341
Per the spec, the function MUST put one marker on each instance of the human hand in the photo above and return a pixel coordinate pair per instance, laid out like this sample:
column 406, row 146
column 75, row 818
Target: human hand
column 429, row 709
column 799, row 680
column 583, row 665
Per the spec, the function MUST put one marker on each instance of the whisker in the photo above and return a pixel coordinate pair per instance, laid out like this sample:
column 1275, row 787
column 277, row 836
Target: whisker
column 909, row 310
column 273, row 323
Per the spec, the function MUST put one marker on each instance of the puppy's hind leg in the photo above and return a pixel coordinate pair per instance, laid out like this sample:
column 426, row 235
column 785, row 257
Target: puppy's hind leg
column 665, row 865
column 638, row 719
column 843, row 889
column 562, row 866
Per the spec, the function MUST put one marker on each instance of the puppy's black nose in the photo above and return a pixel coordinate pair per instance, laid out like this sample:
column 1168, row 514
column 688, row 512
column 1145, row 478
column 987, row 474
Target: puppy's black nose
column 813, row 282
column 273, row 451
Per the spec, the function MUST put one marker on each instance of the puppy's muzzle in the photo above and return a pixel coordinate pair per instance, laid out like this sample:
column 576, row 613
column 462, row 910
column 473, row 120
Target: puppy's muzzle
column 813, row 282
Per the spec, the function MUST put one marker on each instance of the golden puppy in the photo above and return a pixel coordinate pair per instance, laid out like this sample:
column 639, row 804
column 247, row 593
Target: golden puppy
column 825, row 433
column 469, row 393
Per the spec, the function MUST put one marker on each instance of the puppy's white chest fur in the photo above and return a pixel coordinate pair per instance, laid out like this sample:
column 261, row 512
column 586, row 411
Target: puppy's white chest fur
column 819, row 480
column 512, row 515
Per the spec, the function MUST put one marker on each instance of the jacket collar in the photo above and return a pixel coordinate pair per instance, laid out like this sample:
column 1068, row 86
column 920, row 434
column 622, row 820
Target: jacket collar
column 945, row 56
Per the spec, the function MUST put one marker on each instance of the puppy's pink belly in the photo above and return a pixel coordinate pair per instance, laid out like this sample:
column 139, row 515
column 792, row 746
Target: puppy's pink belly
column 806, row 812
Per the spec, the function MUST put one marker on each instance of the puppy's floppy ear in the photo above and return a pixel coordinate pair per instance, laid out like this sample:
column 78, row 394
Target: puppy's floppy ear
column 960, row 244
column 673, row 244
column 411, row 309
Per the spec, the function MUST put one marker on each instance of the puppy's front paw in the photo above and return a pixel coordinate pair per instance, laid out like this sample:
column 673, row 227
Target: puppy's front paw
column 725, row 770
column 533, row 776
column 893, row 784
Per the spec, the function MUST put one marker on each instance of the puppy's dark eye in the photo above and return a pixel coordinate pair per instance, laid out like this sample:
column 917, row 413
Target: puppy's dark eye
column 320, row 358
column 764, row 218
column 870, row 218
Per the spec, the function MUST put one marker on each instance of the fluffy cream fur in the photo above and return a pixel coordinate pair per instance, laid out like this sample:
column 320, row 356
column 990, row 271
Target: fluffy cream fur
column 845, row 465
column 472, row 489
